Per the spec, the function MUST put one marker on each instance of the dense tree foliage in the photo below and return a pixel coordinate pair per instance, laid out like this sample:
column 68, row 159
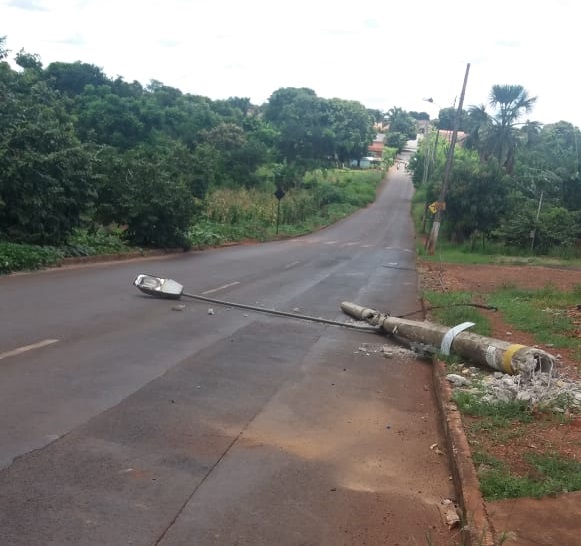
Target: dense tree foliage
column 81, row 149
column 78, row 148
column 402, row 127
column 515, row 182
column 313, row 131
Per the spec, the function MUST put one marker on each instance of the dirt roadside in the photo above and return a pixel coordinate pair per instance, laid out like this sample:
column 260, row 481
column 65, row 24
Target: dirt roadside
column 550, row 521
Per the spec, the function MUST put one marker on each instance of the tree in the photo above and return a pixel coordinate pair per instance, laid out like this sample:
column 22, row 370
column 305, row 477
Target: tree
column 476, row 201
column 402, row 127
column 477, row 122
column 303, row 122
column 28, row 61
column 227, row 156
column 419, row 116
column 378, row 116
column 71, row 78
column 352, row 129
column 500, row 135
column 46, row 176
column 446, row 117
column 150, row 189
column 3, row 51
column 393, row 115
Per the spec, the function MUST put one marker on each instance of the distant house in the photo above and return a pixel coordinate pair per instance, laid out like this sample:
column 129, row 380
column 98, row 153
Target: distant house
column 423, row 126
column 446, row 134
column 375, row 149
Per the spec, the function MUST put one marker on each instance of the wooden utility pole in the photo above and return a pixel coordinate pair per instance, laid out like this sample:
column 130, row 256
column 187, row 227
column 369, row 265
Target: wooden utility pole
column 433, row 239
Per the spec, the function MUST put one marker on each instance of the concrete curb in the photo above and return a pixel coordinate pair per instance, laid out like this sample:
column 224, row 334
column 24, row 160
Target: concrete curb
column 99, row 258
column 477, row 530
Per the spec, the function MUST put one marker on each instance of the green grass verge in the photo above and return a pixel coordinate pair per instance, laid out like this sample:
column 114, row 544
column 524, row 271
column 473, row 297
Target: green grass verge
column 490, row 254
column 551, row 474
column 542, row 313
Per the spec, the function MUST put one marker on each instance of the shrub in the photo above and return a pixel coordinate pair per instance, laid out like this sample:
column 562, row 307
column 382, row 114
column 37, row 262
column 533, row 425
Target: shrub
column 18, row 257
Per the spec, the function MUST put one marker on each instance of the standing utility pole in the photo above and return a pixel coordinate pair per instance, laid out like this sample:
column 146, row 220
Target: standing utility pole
column 433, row 239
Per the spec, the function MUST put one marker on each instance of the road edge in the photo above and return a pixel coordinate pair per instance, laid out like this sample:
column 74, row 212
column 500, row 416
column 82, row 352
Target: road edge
column 477, row 527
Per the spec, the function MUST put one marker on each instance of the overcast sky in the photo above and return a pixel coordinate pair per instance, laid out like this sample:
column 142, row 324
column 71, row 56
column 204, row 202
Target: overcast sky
column 379, row 52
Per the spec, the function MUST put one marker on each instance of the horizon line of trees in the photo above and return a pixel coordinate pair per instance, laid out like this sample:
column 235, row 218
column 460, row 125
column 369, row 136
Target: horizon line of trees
column 78, row 148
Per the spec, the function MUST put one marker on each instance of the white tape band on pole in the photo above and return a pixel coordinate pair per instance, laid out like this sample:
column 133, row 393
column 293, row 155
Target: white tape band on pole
column 451, row 334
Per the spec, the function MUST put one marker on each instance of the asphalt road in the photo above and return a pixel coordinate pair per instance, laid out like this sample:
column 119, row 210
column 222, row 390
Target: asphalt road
column 123, row 421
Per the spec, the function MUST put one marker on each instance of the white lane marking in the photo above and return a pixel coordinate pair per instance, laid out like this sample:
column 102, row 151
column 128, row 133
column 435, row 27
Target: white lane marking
column 400, row 249
column 331, row 242
column 292, row 264
column 351, row 244
column 367, row 246
column 220, row 288
column 26, row 348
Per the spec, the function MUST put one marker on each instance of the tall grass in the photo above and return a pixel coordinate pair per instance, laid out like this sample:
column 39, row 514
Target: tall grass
column 322, row 198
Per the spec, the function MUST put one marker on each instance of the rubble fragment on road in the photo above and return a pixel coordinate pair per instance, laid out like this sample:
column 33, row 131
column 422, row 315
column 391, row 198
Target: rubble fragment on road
column 388, row 351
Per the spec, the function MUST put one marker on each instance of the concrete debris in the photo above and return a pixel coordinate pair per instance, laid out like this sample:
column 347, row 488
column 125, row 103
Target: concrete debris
column 452, row 518
column 457, row 380
column 436, row 449
column 388, row 351
column 210, row 311
column 450, row 513
column 178, row 307
column 535, row 389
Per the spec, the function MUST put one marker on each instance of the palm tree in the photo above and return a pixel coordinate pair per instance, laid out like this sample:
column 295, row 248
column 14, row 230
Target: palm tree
column 477, row 123
column 394, row 114
column 510, row 102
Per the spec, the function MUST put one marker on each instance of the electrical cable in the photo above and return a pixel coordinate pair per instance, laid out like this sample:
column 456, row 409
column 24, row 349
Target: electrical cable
column 282, row 313
column 477, row 305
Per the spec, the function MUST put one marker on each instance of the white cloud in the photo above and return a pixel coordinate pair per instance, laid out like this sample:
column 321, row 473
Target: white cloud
column 379, row 52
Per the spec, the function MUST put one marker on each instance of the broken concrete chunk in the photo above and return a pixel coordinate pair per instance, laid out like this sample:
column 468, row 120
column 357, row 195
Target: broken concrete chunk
column 457, row 380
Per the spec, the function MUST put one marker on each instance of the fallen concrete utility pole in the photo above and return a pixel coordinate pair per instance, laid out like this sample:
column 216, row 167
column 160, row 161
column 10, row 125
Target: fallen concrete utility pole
column 500, row 355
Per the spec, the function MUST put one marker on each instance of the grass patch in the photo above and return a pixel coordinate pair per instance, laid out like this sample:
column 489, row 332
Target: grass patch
column 491, row 254
column 550, row 474
column 450, row 311
column 542, row 313
column 497, row 414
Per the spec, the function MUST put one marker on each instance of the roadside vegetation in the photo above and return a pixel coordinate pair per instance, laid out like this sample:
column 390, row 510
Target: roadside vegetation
column 515, row 185
column 96, row 165
column 514, row 450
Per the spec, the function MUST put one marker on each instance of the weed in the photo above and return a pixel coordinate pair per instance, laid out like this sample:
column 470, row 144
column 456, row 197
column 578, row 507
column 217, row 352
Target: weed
column 562, row 475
